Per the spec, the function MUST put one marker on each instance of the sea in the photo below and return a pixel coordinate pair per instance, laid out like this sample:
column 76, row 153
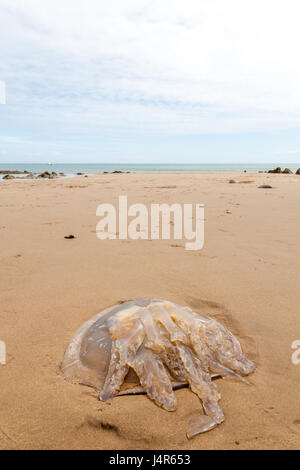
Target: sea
column 71, row 169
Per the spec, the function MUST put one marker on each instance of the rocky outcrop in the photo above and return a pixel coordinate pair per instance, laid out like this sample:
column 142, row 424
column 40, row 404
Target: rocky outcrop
column 286, row 171
column 276, row 170
column 48, row 175
column 12, row 172
column 9, row 177
column 29, row 174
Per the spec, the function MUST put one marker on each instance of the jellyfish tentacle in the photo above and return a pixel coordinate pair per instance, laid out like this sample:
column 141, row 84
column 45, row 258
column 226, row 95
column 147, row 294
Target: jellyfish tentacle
column 214, row 344
column 163, row 317
column 117, row 371
column 229, row 373
column 170, row 358
column 225, row 348
column 167, row 351
column 173, row 335
column 182, row 318
column 199, row 347
column 122, row 350
column 225, row 372
column 214, row 411
column 200, row 424
column 194, row 329
column 158, row 340
column 206, row 355
column 153, row 339
column 154, row 378
column 200, row 383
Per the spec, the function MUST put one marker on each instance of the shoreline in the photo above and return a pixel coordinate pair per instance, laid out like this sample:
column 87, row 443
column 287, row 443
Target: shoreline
column 207, row 173
column 72, row 170
column 31, row 175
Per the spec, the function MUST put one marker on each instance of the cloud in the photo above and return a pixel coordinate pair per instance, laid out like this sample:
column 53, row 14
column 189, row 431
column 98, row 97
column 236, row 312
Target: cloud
column 87, row 70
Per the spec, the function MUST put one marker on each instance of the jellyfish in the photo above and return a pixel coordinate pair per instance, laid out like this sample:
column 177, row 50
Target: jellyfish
column 154, row 347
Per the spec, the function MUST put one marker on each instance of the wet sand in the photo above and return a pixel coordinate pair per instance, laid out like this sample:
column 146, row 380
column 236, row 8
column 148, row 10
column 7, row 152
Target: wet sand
column 247, row 276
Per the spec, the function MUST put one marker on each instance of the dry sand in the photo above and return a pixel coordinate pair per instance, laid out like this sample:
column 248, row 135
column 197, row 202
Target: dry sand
column 247, row 276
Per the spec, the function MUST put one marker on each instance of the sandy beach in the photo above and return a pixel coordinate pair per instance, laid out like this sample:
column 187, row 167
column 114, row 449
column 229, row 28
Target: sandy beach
column 247, row 276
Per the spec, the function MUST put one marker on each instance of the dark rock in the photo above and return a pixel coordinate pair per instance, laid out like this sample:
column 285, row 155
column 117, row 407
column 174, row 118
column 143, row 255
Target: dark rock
column 265, row 186
column 48, row 175
column 117, row 171
column 287, row 171
column 9, row 177
column 70, row 237
column 62, row 174
column 276, row 170
column 298, row 171
column 12, row 172
column 79, row 174
column 231, row 181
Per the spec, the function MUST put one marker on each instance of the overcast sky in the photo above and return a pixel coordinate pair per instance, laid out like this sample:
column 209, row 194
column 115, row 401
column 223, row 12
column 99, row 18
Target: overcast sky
column 150, row 81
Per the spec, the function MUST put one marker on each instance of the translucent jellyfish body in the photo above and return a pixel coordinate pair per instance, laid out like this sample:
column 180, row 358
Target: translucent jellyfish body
column 155, row 346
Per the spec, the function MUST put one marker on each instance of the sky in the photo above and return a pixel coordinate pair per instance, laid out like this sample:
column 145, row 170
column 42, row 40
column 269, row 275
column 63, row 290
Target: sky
column 150, row 81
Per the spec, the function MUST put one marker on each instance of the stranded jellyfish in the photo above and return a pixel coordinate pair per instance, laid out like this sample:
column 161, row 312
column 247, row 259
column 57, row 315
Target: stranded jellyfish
column 156, row 346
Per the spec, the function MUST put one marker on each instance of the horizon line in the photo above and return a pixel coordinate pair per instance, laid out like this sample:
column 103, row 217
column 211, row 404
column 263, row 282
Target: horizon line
column 150, row 163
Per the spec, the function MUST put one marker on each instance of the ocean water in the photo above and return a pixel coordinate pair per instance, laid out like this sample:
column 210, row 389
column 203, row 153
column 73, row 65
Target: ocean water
column 88, row 168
